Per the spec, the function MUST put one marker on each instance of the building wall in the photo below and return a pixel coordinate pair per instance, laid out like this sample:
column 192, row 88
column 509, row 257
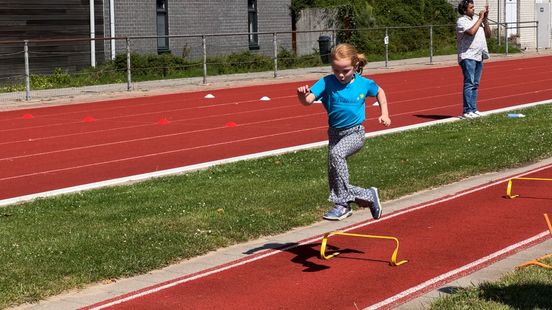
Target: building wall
column 527, row 36
column 528, row 13
column 43, row 20
column 312, row 19
column 133, row 18
column 187, row 18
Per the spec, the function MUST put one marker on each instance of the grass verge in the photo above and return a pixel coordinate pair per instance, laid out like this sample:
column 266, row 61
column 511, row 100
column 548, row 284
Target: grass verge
column 51, row 245
column 527, row 288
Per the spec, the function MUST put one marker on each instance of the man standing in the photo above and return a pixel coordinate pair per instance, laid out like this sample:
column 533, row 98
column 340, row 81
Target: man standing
column 471, row 42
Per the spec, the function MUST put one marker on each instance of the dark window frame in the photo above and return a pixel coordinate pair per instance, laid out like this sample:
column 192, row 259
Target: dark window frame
column 252, row 24
column 162, row 11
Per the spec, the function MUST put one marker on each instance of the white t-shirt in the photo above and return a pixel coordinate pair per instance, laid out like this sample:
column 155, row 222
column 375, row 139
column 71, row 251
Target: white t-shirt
column 470, row 47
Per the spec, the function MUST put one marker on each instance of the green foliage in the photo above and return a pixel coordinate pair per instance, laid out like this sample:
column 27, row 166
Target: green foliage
column 364, row 14
column 164, row 66
column 289, row 60
column 525, row 288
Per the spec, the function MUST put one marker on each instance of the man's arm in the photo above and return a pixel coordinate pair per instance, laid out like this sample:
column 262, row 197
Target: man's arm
column 473, row 30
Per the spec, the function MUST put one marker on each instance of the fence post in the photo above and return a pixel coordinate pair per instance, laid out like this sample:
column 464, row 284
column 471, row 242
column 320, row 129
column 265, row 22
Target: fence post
column 430, row 44
column 204, row 44
column 537, row 36
column 129, row 75
column 27, row 72
column 386, row 42
column 275, row 44
column 506, row 38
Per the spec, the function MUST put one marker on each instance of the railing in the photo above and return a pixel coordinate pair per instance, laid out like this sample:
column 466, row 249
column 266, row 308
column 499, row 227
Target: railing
column 75, row 53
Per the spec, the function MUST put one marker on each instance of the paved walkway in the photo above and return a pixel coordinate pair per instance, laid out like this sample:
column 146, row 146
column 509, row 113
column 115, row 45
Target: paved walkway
column 10, row 101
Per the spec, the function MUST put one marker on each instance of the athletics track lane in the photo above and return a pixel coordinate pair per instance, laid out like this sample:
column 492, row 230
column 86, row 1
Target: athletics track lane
column 436, row 237
column 56, row 148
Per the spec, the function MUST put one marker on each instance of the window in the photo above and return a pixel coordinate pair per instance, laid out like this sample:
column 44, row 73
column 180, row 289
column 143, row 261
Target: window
column 252, row 21
column 162, row 26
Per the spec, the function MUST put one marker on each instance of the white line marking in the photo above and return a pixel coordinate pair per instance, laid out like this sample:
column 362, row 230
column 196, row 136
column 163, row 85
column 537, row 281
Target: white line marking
column 454, row 272
column 385, row 218
column 206, row 165
column 172, row 135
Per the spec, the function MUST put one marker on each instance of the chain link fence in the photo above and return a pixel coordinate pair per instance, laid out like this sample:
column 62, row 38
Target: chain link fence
column 36, row 67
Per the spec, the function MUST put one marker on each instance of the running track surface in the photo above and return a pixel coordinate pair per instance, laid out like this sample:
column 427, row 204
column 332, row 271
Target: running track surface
column 459, row 233
column 45, row 149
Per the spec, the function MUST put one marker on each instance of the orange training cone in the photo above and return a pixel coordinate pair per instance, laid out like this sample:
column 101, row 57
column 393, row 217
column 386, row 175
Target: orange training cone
column 164, row 121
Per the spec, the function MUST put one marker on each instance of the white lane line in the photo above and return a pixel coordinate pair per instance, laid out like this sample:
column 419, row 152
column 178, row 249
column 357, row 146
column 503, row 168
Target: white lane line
column 206, row 165
column 457, row 271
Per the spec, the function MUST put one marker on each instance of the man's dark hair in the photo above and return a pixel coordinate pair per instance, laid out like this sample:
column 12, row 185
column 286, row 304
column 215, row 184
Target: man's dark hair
column 463, row 6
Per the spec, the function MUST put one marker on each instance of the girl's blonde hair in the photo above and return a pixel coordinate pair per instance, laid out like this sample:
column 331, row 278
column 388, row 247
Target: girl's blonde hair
column 347, row 51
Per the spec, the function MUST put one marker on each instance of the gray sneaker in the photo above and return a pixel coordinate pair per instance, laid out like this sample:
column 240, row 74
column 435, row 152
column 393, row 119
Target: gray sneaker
column 337, row 213
column 375, row 208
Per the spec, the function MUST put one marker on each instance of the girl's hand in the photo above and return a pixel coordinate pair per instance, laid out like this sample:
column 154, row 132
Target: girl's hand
column 303, row 90
column 304, row 95
column 385, row 120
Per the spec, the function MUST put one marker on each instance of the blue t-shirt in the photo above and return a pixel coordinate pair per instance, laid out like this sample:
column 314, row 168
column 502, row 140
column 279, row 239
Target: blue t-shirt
column 344, row 102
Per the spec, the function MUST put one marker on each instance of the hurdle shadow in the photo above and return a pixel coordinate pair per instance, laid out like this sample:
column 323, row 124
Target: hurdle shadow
column 433, row 116
column 528, row 197
column 449, row 290
column 307, row 255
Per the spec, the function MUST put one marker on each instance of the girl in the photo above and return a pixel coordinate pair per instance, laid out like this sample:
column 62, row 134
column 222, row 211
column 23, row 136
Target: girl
column 343, row 94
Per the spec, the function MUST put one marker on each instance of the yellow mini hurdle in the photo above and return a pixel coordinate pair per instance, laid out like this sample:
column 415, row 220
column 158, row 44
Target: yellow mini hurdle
column 510, row 183
column 393, row 261
column 536, row 262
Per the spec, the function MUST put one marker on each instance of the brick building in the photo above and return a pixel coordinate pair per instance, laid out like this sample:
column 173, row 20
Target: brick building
column 139, row 18
column 61, row 19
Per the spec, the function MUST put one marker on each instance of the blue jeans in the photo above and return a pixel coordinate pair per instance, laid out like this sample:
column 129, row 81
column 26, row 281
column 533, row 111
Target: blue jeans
column 472, row 75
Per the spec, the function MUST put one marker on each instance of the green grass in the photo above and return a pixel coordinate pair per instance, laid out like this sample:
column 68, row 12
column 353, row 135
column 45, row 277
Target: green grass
column 527, row 288
column 54, row 244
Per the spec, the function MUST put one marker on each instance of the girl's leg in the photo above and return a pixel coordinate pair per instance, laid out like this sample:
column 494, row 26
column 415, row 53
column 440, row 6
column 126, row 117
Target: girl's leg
column 342, row 144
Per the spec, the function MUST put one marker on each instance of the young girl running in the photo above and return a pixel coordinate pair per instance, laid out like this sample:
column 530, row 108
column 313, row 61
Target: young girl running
column 343, row 95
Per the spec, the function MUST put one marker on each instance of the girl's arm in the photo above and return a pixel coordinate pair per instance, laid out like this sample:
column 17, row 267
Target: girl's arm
column 305, row 96
column 384, row 118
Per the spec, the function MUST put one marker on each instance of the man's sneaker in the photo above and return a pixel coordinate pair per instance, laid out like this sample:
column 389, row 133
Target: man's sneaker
column 375, row 209
column 468, row 115
column 477, row 113
column 337, row 213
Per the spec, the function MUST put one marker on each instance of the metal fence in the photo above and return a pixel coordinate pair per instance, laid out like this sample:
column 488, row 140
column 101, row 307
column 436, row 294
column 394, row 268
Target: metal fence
column 33, row 64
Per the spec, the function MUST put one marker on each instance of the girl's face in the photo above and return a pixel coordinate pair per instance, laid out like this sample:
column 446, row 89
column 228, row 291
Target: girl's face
column 343, row 70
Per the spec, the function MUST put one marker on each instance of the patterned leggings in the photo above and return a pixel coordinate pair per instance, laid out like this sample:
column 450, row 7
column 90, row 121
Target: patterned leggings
column 342, row 144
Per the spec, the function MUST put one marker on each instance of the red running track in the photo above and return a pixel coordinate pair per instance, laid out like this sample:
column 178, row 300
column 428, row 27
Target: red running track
column 442, row 240
column 58, row 148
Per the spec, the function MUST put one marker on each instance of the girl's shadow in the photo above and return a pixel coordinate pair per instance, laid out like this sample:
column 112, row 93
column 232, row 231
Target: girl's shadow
column 305, row 254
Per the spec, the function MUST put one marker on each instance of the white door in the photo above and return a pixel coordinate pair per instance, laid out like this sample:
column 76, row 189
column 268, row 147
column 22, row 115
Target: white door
column 511, row 16
column 543, row 17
